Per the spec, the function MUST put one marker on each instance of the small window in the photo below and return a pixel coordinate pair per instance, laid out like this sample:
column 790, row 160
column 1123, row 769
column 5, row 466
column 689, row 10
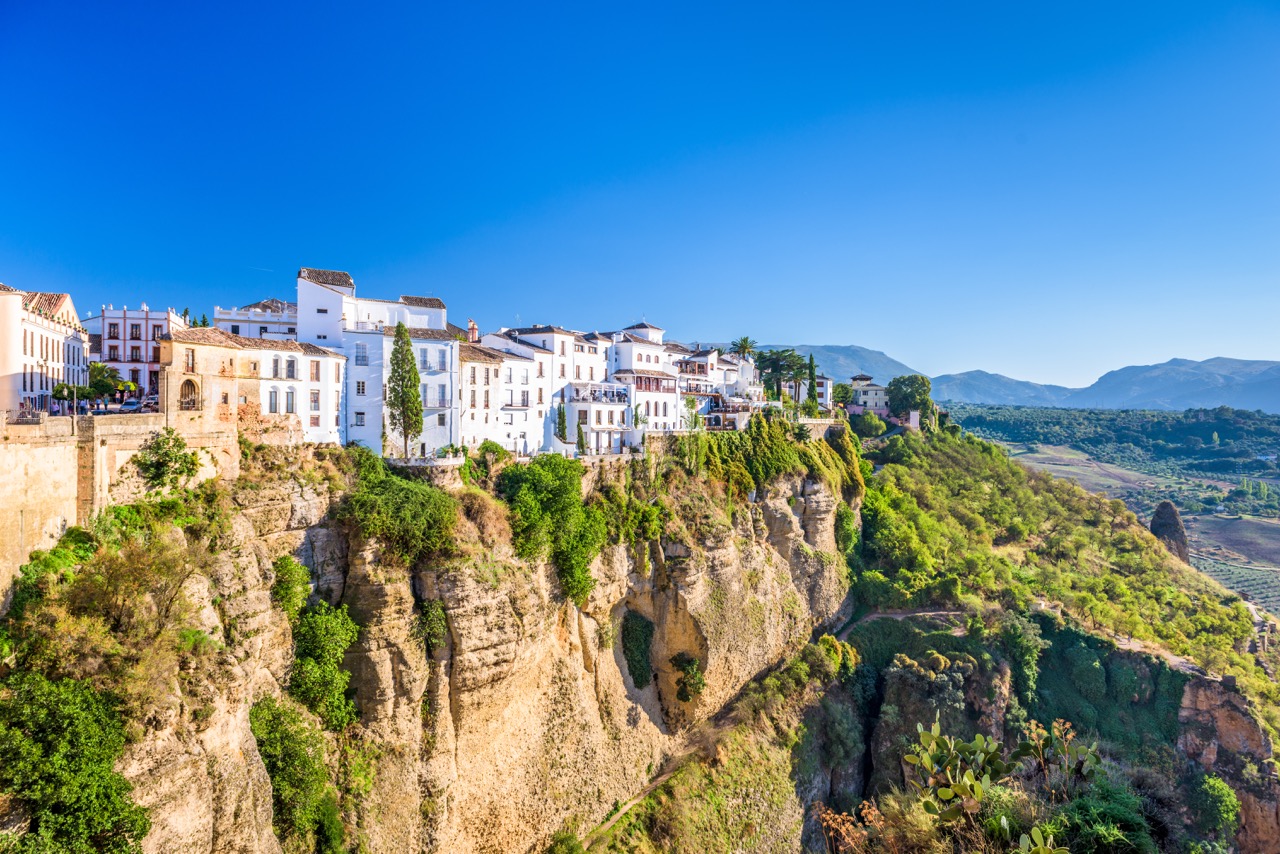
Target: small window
column 359, row 419
column 315, row 420
column 262, row 330
column 235, row 329
column 225, row 398
column 582, row 416
column 273, row 401
column 293, row 330
column 315, row 403
column 360, row 387
column 322, row 311
column 440, row 420
column 315, row 370
column 290, row 404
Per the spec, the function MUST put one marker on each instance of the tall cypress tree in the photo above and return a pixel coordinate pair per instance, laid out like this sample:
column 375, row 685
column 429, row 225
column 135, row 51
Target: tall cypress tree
column 813, row 380
column 404, row 405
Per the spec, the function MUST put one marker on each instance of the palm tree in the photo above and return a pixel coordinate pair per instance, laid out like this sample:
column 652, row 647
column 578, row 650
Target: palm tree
column 744, row 346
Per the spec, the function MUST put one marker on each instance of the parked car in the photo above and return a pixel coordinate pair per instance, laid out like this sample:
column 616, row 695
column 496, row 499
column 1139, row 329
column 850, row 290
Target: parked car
column 133, row 405
column 151, row 403
column 101, row 410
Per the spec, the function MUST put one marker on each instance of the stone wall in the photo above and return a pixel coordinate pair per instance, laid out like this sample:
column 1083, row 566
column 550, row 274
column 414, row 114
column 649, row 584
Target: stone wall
column 61, row 472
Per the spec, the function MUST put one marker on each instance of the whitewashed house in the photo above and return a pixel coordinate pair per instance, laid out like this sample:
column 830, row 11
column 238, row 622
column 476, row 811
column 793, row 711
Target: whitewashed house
column 269, row 318
column 42, row 343
column 129, row 341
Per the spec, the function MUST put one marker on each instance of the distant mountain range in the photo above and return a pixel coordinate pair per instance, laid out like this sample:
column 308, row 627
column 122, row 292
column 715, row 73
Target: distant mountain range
column 1175, row 385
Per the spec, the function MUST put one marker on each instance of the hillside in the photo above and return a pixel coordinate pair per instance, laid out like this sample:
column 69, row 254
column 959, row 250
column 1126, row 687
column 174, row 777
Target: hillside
column 329, row 653
column 985, row 387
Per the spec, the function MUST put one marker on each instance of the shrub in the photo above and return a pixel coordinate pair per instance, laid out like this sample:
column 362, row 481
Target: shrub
column 320, row 639
column 431, row 625
column 291, row 587
column 163, row 460
column 565, row 842
column 59, row 742
column 637, row 636
column 548, row 518
column 292, row 750
column 690, row 683
column 1216, row 806
column 411, row 518
column 868, row 425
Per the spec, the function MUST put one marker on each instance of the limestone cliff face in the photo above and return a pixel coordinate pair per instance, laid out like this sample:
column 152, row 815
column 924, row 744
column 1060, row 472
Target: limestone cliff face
column 1220, row 733
column 527, row 716
column 199, row 772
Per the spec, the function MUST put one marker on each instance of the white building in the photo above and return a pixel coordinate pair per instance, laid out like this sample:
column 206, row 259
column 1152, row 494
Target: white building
column 129, row 341
column 537, row 421
column 42, row 343
column 799, row 391
column 269, row 318
column 331, row 315
column 868, row 397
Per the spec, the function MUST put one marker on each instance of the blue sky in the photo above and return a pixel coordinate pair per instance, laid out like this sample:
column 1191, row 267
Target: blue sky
column 1045, row 191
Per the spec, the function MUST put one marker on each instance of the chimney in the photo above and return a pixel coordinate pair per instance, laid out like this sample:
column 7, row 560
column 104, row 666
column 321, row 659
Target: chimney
column 473, row 332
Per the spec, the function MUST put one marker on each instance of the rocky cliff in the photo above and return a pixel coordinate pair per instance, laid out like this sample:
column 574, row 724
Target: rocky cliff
column 526, row 718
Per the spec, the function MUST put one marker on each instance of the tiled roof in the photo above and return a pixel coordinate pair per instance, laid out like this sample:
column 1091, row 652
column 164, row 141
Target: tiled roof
column 543, row 330
column 271, row 304
column 95, row 343
column 44, row 303
column 511, row 335
column 644, row 325
column 456, row 330
column 5, row 289
column 332, row 278
column 468, row 352
column 423, row 302
column 424, row 334
column 219, row 338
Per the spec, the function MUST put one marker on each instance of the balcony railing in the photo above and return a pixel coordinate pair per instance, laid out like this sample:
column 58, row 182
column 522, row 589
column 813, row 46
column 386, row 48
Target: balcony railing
column 599, row 393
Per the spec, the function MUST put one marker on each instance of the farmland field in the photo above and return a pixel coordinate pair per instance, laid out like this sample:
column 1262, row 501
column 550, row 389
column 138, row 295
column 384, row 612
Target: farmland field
column 1260, row 585
column 1249, row 537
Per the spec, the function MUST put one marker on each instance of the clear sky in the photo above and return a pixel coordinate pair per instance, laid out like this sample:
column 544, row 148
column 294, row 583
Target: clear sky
column 1043, row 190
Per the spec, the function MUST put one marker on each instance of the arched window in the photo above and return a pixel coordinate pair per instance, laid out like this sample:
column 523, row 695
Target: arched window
column 275, row 367
column 189, row 395
column 291, row 369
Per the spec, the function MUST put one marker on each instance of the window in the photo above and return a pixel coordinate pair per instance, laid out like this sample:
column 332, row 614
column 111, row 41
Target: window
column 113, row 353
column 509, row 374
column 664, row 409
column 225, row 398
column 235, row 329
column 591, row 373
column 292, row 330
column 262, row 330
column 135, row 354
column 322, row 311
column 440, row 422
column 113, row 330
column 524, row 398
column 291, row 371
column 486, row 398
column 315, row 420
column 362, row 354
column 582, row 416
column 473, row 398
column 597, row 417
column 315, row 370
column 155, row 354
column 610, row 416
column 359, row 419
column 539, row 395
column 577, row 372
column 190, row 361
column 540, row 372
column 473, row 375
column 323, row 337
column 275, row 367
column 156, row 331
column 562, row 370
column 423, row 363
column 486, row 375
column 561, row 348
column 524, row 377
column 360, row 387
column 273, row 401
column 337, row 372
column 315, row 402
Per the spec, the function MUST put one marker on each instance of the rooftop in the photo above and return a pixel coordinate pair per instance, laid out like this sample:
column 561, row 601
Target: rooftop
column 332, row 278
column 423, row 302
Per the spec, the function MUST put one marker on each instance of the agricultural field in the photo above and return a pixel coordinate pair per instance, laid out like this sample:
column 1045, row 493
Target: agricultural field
column 1257, row 584
column 1240, row 539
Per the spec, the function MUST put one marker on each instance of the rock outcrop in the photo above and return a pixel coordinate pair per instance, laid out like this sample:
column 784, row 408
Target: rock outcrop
column 1167, row 526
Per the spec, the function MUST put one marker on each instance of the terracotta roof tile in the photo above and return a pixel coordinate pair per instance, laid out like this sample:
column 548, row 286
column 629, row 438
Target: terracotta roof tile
column 332, row 278
column 423, row 334
column 468, row 352
column 422, row 302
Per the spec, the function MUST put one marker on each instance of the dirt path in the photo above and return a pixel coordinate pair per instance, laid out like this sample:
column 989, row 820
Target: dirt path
column 899, row 615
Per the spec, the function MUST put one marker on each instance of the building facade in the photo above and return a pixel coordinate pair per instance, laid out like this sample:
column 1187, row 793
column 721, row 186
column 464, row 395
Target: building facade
column 269, row 318
column 868, row 397
column 129, row 341
column 42, row 344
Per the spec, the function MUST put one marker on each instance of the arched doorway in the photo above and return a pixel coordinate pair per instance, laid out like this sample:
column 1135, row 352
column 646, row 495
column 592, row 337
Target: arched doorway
column 189, row 395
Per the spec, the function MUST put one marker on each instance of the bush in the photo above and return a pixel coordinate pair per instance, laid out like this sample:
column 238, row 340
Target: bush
column 291, row 587
column 411, row 518
column 548, row 518
column 1216, row 806
column 59, row 742
column 320, row 640
column 868, row 425
column 565, row 842
column 690, row 683
column 292, row 750
column 637, row 637
column 163, row 460
column 432, row 627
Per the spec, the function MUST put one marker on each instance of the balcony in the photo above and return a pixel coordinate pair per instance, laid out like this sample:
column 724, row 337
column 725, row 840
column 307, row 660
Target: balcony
column 610, row 393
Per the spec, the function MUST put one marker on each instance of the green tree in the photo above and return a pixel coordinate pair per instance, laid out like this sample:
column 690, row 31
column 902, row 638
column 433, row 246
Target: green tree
column 744, row 347
column 1217, row 806
column 842, row 394
column 292, row 749
column 868, row 425
column 204, row 320
column 103, row 380
column 321, row 639
column 163, row 460
column 59, row 742
column 404, row 404
column 291, row 587
column 562, row 424
column 812, row 394
column 582, row 440
column 910, row 392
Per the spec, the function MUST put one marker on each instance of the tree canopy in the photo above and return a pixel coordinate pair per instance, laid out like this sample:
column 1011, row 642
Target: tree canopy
column 909, row 392
column 404, row 404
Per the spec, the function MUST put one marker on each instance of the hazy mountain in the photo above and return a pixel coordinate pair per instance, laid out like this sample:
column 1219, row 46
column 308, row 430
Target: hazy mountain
column 1183, row 384
column 985, row 387
column 842, row 361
